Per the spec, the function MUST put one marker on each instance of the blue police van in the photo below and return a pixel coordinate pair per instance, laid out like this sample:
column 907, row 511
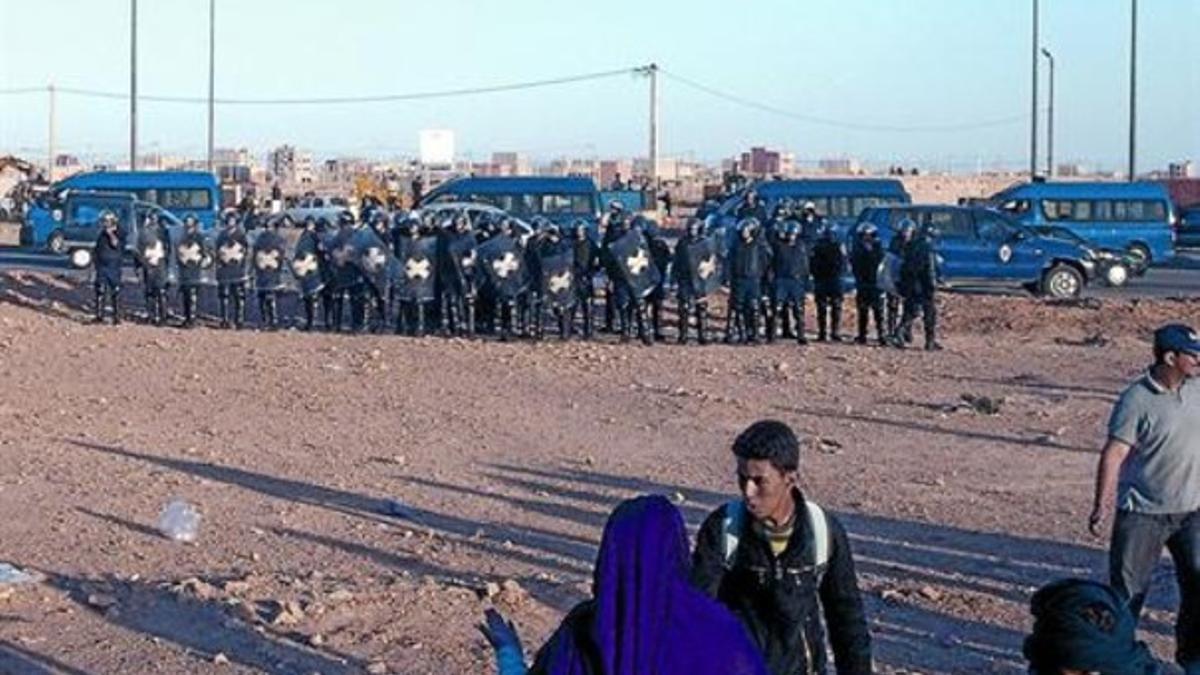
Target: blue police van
column 1134, row 217
column 839, row 200
column 562, row 200
column 979, row 246
column 180, row 193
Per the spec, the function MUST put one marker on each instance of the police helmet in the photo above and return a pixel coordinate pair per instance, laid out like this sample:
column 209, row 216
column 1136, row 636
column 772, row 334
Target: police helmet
column 230, row 218
column 462, row 222
column 345, row 219
column 748, row 227
column 107, row 217
column 906, row 227
column 190, row 222
column 790, row 229
column 867, row 230
column 323, row 223
column 616, row 205
column 694, row 227
column 309, row 221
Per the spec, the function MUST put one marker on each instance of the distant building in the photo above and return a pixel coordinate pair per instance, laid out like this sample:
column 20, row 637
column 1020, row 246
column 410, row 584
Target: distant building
column 612, row 169
column 842, row 166
column 1072, row 170
column 510, row 164
column 289, row 165
column 1184, row 169
column 232, row 165
column 761, row 162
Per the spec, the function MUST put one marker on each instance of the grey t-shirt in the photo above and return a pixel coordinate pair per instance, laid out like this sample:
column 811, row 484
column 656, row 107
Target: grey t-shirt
column 1162, row 473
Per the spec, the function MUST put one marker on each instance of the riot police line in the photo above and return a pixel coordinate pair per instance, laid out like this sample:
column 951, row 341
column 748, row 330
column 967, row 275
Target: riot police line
column 419, row 275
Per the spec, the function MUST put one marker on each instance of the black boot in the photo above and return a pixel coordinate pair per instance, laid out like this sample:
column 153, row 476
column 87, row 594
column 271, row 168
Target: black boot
column 643, row 333
column 797, row 310
column 588, row 328
column 310, row 313
column 822, row 319
column 752, row 325
column 684, row 311
column 930, row 326
column 731, row 321
column 468, row 308
column 656, row 308
column 239, row 308
column 161, row 300
column 785, row 321
column 99, row 308
column 701, row 323
column 188, row 299
column 564, row 325
column 864, row 318
column 223, row 307
column 116, row 305
column 835, row 319
column 771, row 317
column 419, row 329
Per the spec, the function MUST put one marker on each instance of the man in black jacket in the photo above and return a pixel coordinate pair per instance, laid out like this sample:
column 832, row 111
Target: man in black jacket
column 776, row 560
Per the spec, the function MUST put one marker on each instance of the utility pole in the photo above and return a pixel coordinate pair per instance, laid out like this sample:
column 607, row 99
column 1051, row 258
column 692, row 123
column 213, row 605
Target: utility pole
column 652, row 71
column 212, row 44
column 1033, row 117
column 51, row 138
column 133, row 86
column 1050, row 119
column 1132, row 89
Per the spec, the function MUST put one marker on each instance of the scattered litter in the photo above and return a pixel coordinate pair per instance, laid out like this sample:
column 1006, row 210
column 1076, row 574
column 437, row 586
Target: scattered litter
column 11, row 575
column 984, row 405
column 395, row 507
column 179, row 521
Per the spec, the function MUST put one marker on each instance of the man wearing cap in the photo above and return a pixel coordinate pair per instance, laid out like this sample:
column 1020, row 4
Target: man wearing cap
column 1150, row 472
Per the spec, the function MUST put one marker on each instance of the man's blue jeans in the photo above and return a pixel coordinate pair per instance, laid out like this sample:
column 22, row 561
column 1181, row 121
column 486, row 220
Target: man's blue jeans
column 1137, row 543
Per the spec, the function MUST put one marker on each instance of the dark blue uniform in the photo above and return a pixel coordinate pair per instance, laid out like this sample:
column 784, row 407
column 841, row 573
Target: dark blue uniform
column 918, row 285
column 107, row 257
column 789, row 286
column 865, row 259
column 828, row 263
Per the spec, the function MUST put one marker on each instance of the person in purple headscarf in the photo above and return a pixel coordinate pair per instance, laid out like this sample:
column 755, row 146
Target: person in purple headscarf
column 644, row 618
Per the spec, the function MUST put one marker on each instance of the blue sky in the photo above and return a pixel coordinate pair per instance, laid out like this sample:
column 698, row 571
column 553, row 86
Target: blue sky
column 898, row 63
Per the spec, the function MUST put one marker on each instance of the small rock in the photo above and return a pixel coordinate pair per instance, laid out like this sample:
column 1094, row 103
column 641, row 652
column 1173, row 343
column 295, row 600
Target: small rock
column 491, row 590
column 930, row 593
column 678, row 498
column 316, row 639
column 589, row 460
column 220, row 659
column 377, row 668
column 101, row 600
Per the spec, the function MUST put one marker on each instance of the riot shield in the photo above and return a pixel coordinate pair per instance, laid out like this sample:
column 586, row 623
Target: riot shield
column 152, row 249
column 270, row 257
column 373, row 258
column 232, row 257
column 194, row 258
column 630, row 256
column 456, row 262
column 558, row 278
column 703, row 260
column 308, row 265
column 416, row 277
column 888, row 274
column 503, row 266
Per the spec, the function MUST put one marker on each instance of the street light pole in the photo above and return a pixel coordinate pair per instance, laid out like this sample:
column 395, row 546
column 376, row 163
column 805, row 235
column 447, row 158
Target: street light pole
column 1050, row 118
column 133, row 86
column 1132, row 88
column 1033, row 116
column 212, row 42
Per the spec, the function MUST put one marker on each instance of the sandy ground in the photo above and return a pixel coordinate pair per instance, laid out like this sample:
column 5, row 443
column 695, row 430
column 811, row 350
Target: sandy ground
column 505, row 460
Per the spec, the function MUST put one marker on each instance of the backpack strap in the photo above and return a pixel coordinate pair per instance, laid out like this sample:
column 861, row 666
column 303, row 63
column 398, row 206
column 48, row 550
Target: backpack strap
column 818, row 527
column 731, row 530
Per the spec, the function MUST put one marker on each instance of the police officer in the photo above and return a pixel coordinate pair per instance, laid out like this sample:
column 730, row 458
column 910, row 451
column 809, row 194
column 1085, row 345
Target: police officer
column 326, row 238
column 553, row 245
column 918, row 285
column 660, row 256
column 153, row 255
column 194, row 254
column 108, row 256
column 310, row 254
column 828, row 263
column 269, row 251
column 752, row 207
column 347, row 280
column 232, row 251
column 749, row 262
column 628, row 305
column 865, row 258
column 411, row 317
column 691, row 300
column 456, row 277
column 586, row 262
column 507, row 305
column 614, row 224
column 905, row 231
column 811, row 222
column 789, row 280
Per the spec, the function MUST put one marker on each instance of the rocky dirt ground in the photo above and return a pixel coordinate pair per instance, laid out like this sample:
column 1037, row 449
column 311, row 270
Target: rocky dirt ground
column 364, row 499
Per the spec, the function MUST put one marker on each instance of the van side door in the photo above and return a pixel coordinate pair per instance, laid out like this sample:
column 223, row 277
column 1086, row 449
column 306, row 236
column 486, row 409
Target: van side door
column 1014, row 255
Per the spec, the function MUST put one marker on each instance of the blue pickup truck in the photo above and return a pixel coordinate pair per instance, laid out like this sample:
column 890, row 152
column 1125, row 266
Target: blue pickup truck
column 980, row 246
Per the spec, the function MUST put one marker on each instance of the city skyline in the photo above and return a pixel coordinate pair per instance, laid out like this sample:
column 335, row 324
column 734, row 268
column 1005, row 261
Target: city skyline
column 968, row 67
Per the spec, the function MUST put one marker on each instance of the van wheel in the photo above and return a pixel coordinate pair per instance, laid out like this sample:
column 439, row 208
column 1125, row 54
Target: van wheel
column 1141, row 259
column 56, row 243
column 1061, row 282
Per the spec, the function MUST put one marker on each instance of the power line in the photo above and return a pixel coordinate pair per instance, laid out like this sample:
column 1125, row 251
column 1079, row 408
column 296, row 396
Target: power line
column 812, row 119
column 337, row 100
